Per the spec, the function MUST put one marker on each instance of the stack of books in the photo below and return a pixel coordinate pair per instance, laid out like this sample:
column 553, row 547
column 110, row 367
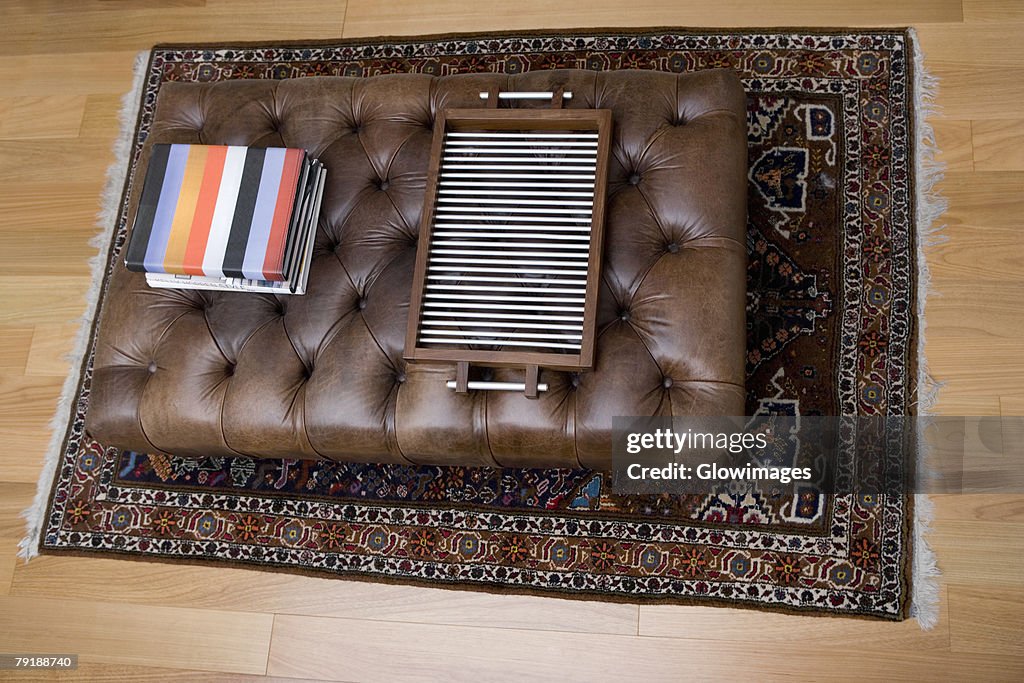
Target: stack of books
column 227, row 218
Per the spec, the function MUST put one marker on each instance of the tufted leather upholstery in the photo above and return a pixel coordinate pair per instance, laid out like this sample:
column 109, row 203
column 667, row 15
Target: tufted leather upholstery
column 322, row 375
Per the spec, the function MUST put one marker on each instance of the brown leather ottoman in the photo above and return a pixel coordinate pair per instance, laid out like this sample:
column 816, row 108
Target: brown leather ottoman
column 323, row 376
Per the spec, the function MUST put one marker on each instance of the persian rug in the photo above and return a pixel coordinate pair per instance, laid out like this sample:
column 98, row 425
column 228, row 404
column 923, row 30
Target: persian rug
column 839, row 206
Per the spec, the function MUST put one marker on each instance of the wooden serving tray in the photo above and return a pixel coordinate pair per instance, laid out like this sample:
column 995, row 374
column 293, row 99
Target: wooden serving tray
column 509, row 264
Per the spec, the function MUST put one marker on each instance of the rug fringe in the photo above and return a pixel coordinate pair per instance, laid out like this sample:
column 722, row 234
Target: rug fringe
column 924, row 602
column 106, row 220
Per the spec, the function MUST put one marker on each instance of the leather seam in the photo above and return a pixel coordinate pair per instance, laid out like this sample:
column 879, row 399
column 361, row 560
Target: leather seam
column 394, row 423
column 223, row 432
column 309, row 440
column 351, row 113
column 363, row 196
column 654, row 214
column 387, row 174
column 646, row 348
column 684, row 243
column 717, row 110
column 291, row 343
column 138, row 417
column 692, row 380
column 216, row 343
column 252, row 334
column 167, row 328
column 330, row 335
column 359, row 137
column 334, row 329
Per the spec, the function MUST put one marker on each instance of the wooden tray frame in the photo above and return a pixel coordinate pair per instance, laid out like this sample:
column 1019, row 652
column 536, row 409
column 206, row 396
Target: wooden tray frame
column 493, row 119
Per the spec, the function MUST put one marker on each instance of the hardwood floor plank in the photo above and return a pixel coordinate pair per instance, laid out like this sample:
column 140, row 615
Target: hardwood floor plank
column 955, row 144
column 87, row 72
column 28, row 206
column 101, row 117
column 978, row 385
column 962, row 405
column 954, row 356
column 972, row 253
column 101, row 632
column 46, row 230
column 24, row 445
column 14, row 497
column 113, row 673
column 974, row 357
column 989, row 620
column 26, row 398
column 333, row 649
column 994, row 508
column 408, row 17
column 1012, row 405
column 991, row 45
column 989, row 200
column 32, row 32
column 8, row 558
column 59, row 6
column 737, row 625
column 976, row 349
column 999, row 11
column 26, row 406
column 978, row 553
column 43, row 300
column 276, row 592
column 39, row 256
column 50, row 346
column 15, row 342
column 957, row 314
column 998, row 145
column 78, row 158
column 978, row 92
column 50, row 117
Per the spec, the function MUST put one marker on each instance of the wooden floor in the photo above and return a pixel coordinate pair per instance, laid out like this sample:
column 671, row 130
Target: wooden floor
column 63, row 67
